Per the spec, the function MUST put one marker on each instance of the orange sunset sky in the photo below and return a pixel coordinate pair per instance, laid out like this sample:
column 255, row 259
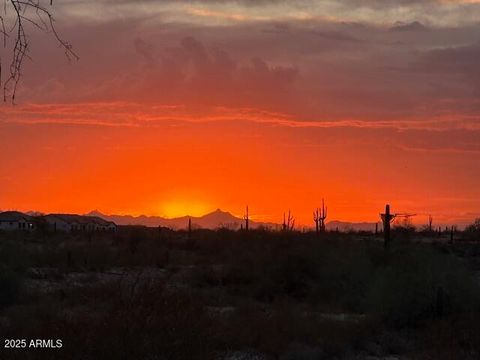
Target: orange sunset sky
column 182, row 107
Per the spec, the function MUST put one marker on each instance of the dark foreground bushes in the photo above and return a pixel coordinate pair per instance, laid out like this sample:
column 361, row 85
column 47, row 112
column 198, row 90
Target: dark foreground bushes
column 13, row 264
column 409, row 285
column 10, row 287
column 472, row 232
column 419, row 283
column 118, row 322
column 288, row 295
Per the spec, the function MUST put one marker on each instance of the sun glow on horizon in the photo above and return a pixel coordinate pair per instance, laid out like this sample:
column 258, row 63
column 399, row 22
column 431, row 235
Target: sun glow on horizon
column 178, row 208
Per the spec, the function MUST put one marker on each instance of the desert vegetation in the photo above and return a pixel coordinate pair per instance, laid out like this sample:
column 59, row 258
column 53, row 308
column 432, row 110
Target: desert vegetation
column 154, row 293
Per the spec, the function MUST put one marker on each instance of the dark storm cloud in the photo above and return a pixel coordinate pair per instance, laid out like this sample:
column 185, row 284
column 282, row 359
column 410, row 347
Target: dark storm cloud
column 451, row 61
column 312, row 68
column 413, row 26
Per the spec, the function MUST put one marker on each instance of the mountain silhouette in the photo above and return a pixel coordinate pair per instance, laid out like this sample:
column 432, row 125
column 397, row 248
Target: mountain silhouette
column 214, row 220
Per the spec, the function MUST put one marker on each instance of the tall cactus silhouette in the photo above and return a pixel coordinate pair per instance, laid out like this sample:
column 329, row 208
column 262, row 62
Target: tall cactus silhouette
column 316, row 219
column 452, row 233
column 387, row 218
column 288, row 222
column 247, row 219
column 319, row 217
column 430, row 223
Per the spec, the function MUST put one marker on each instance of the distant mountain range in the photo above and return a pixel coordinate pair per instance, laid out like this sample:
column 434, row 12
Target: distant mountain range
column 219, row 218
column 214, row 220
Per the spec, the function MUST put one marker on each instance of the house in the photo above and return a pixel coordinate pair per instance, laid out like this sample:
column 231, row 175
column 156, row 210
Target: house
column 72, row 222
column 102, row 224
column 62, row 222
column 16, row 221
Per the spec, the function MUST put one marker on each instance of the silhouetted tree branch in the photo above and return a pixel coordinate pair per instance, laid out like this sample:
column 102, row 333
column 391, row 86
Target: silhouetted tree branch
column 15, row 19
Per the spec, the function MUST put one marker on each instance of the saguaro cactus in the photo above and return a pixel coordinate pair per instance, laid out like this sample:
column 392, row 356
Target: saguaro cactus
column 288, row 222
column 247, row 219
column 316, row 219
column 430, row 223
column 319, row 217
column 387, row 218
column 189, row 227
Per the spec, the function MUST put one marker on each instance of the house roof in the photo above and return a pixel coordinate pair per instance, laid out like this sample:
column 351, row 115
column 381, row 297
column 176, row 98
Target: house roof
column 11, row 216
column 64, row 217
column 79, row 219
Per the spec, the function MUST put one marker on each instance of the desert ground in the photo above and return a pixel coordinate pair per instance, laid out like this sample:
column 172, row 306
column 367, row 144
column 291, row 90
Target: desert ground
column 154, row 293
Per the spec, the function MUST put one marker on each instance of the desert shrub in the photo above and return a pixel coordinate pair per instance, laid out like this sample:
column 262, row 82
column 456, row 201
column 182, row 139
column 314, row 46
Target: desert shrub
column 403, row 229
column 447, row 339
column 150, row 252
column 151, row 321
column 291, row 275
column 97, row 256
column 345, row 274
column 13, row 255
column 275, row 271
column 134, row 236
column 472, row 231
column 304, row 268
column 203, row 276
column 130, row 320
column 475, row 227
column 48, row 255
column 243, row 355
column 13, row 263
column 403, row 232
column 418, row 284
column 10, row 286
column 303, row 352
column 284, row 328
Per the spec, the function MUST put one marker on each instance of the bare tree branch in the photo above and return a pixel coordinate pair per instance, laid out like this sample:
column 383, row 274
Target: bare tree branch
column 25, row 13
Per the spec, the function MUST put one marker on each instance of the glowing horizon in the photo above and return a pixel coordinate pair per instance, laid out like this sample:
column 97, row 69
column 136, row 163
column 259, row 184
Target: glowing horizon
column 182, row 107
